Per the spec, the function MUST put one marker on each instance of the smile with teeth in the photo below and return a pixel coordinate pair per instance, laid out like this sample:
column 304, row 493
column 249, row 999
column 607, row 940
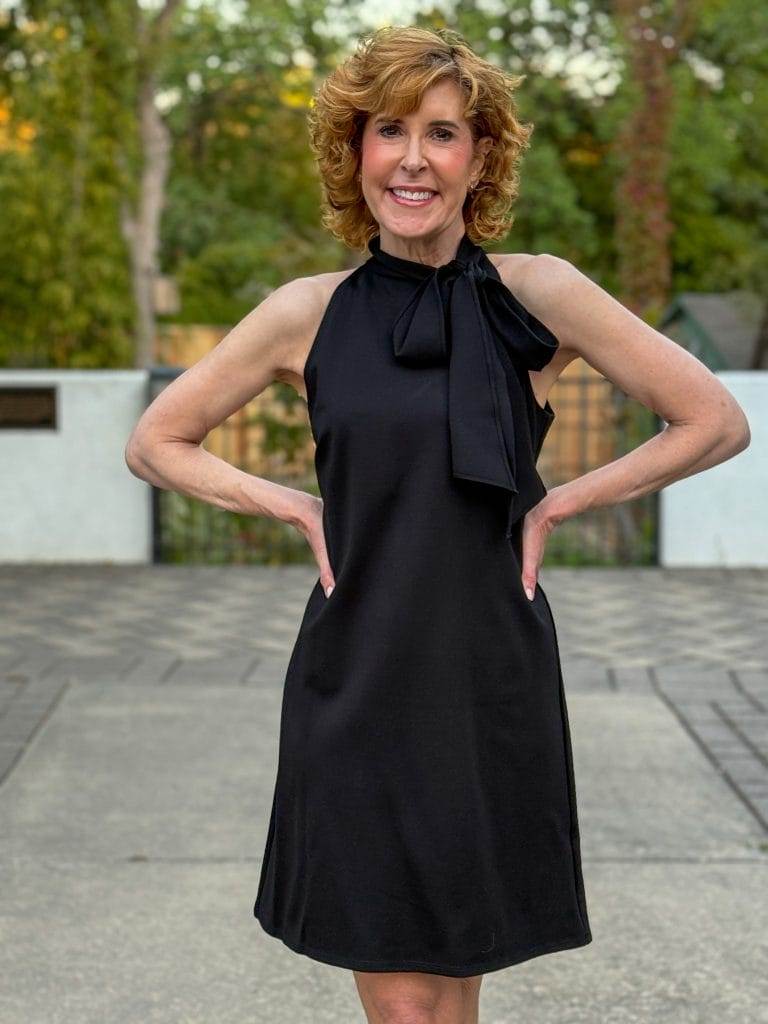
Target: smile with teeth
column 412, row 197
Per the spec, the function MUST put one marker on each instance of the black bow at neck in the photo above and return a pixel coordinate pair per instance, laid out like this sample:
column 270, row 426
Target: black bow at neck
column 459, row 313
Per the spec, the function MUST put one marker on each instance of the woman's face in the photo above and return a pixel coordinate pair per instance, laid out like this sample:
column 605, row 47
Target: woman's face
column 419, row 154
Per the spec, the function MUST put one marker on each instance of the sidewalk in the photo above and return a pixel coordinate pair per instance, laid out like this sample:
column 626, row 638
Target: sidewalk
column 139, row 716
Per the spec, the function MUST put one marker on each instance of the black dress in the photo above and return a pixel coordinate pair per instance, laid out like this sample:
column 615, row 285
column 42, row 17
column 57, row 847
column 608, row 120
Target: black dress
column 424, row 813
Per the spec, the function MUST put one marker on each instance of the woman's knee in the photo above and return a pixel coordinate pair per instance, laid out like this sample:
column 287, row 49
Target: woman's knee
column 415, row 998
column 407, row 1011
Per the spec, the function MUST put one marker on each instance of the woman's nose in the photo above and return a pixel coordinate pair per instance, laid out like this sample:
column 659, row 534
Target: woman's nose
column 413, row 158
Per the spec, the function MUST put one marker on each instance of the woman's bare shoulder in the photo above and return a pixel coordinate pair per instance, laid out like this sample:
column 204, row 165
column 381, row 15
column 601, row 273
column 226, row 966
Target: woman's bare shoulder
column 506, row 262
column 326, row 283
column 523, row 273
column 532, row 278
column 311, row 294
column 520, row 270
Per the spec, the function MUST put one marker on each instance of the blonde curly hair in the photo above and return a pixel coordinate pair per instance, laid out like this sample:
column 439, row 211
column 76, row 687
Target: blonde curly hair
column 388, row 73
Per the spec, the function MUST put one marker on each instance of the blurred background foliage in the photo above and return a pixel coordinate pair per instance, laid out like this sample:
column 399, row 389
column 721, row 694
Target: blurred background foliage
column 149, row 139
column 232, row 82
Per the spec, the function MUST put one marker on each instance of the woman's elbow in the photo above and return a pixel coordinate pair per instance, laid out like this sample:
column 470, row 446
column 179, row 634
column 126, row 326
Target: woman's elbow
column 132, row 456
column 735, row 434
column 136, row 454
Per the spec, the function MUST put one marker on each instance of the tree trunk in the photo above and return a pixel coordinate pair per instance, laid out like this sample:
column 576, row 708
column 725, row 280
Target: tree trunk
column 643, row 227
column 141, row 225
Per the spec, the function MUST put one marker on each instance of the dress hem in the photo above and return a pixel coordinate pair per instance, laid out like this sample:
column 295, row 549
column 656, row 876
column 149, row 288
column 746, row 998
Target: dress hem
column 451, row 970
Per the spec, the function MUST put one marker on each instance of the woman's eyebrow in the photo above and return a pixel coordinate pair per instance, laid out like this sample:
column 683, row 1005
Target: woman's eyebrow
column 398, row 120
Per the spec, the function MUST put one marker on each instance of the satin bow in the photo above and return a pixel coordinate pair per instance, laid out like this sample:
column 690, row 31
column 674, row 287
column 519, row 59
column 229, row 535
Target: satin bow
column 460, row 313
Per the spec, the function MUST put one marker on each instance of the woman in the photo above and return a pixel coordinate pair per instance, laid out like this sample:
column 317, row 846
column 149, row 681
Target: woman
column 424, row 829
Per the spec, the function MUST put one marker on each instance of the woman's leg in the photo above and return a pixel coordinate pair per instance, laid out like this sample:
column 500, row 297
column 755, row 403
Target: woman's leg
column 412, row 997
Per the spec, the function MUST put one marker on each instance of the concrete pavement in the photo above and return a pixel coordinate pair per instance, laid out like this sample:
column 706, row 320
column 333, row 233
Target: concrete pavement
column 139, row 714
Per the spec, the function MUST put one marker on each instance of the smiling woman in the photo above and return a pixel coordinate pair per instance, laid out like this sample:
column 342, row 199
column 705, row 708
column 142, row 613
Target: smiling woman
column 426, row 167
column 423, row 828
column 408, row 94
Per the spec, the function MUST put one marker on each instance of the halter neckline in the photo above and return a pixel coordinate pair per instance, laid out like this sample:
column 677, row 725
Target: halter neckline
column 466, row 250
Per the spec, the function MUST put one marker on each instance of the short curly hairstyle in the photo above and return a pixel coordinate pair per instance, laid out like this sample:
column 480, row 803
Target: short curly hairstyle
column 388, row 73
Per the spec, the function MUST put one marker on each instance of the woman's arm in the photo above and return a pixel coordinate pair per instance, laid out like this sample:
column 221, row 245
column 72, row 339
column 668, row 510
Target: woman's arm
column 705, row 424
column 165, row 446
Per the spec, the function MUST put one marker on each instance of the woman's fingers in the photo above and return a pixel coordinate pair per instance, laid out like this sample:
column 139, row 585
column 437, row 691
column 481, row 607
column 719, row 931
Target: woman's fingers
column 327, row 580
column 313, row 529
column 536, row 530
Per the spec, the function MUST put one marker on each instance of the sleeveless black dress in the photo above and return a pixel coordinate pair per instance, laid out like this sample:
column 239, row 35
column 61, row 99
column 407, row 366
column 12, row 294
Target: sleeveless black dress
column 424, row 813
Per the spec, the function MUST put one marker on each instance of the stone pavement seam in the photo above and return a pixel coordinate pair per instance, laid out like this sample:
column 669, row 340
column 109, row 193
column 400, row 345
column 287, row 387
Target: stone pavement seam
column 734, row 762
column 23, row 717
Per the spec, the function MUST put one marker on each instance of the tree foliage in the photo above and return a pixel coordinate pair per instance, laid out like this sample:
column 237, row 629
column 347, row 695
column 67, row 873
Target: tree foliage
column 240, row 210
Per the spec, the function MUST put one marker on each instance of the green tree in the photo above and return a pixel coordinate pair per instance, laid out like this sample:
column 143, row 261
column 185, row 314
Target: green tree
column 64, row 286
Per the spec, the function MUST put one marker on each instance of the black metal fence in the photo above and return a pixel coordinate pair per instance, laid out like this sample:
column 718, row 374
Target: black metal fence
column 187, row 530
column 595, row 423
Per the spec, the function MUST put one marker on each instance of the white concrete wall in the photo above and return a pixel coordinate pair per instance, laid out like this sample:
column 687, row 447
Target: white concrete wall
column 720, row 517
column 66, row 494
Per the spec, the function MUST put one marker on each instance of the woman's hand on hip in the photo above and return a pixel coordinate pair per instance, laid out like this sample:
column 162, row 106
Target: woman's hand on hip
column 309, row 521
column 538, row 524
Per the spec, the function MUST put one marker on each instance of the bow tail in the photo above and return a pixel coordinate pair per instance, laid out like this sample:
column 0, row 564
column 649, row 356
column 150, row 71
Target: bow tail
column 532, row 490
column 527, row 341
column 479, row 412
column 485, row 445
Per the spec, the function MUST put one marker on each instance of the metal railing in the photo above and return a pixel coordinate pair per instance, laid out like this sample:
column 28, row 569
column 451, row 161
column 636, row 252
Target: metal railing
column 595, row 423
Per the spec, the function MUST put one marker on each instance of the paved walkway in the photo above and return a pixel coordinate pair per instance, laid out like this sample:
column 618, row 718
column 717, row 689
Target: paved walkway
column 139, row 715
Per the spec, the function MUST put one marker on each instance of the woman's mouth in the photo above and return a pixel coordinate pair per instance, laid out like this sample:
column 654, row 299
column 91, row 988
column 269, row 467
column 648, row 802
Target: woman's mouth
column 412, row 197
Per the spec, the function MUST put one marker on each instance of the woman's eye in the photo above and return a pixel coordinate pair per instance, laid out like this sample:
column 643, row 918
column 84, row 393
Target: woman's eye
column 446, row 136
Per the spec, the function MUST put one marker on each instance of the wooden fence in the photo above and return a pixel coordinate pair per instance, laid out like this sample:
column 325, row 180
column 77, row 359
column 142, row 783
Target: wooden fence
column 594, row 424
